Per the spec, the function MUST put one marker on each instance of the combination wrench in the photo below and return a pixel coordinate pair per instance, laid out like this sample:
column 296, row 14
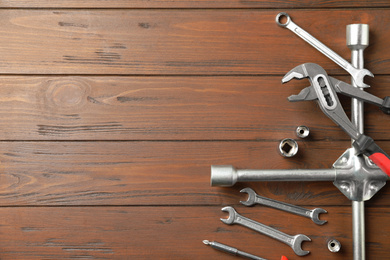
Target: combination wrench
column 253, row 198
column 357, row 74
column 293, row 241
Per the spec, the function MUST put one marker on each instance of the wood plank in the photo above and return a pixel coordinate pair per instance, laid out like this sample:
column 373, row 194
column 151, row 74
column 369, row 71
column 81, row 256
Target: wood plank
column 168, row 108
column 190, row 4
column 176, row 42
column 174, row 233
column 159, row 173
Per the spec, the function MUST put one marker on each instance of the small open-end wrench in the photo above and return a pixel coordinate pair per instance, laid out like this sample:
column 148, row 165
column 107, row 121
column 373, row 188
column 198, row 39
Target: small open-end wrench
column 253, row 198
column 357, row 74
column 293, row 241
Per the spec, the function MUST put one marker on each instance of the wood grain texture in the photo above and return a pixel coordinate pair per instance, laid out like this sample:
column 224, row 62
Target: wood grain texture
column 174, row 233
column 158, row 173
column 191, row 4
column 191, row 42
column 169, row 108
column 113, row 112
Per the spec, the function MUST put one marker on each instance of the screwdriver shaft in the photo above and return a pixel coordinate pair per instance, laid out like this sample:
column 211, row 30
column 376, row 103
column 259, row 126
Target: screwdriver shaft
column 231, row 250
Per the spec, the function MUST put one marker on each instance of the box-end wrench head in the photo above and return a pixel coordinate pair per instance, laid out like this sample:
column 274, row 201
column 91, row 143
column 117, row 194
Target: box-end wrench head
column 357, row 74
column 295, row 242
column 253, row 199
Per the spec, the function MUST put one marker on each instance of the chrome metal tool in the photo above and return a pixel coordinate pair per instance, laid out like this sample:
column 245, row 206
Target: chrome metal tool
column 294, row 242
column 357, row 74
column 253, row 199
column 323, row 88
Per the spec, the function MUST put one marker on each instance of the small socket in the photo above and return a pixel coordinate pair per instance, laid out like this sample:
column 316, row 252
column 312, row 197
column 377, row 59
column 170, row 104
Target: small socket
column 288, row 147
column 334, row 245
column 303, row 131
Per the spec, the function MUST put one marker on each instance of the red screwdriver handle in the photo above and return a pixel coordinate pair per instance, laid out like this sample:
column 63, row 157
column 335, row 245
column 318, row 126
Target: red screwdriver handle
column 382, row 161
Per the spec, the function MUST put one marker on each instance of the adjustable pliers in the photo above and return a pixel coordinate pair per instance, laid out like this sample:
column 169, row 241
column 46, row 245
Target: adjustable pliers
column 323, row 89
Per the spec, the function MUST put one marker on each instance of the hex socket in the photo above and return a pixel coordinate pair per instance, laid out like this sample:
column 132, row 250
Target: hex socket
column 288, row 147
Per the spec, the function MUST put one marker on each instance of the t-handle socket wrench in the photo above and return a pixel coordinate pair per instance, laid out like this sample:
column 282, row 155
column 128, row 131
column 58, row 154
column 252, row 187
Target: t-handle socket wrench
column 253, row 198
column 293, row 241
column 357, row 74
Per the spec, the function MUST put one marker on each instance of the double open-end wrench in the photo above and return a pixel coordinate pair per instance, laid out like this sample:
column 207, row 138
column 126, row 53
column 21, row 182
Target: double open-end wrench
column 253, row 198
column 357, row 74
column 293, row 241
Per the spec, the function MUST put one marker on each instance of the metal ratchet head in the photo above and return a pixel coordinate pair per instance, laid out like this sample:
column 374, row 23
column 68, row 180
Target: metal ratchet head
column 322, row 87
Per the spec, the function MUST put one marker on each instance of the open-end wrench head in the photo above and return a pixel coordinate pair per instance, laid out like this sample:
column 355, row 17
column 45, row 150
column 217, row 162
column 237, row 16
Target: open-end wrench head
column 251, row 197
column 359, row 77
column 232, row 215
column 315, row 216
column 297, row 244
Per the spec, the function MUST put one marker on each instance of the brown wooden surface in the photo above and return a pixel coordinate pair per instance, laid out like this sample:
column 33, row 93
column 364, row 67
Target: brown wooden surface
column 172, row 42
column 147, row 173
column 172, row 233
column 190, row 4
column 172, row 108
column 113, row 112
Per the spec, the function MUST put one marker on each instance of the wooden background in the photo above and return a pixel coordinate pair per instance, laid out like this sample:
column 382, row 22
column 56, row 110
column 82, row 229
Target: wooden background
column 113, row 111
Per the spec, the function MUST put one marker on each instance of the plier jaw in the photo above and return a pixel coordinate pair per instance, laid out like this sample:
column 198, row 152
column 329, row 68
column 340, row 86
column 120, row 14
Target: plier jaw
column 306, row 94
column 319, row 80
column 306, row 70
column 300, row 72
